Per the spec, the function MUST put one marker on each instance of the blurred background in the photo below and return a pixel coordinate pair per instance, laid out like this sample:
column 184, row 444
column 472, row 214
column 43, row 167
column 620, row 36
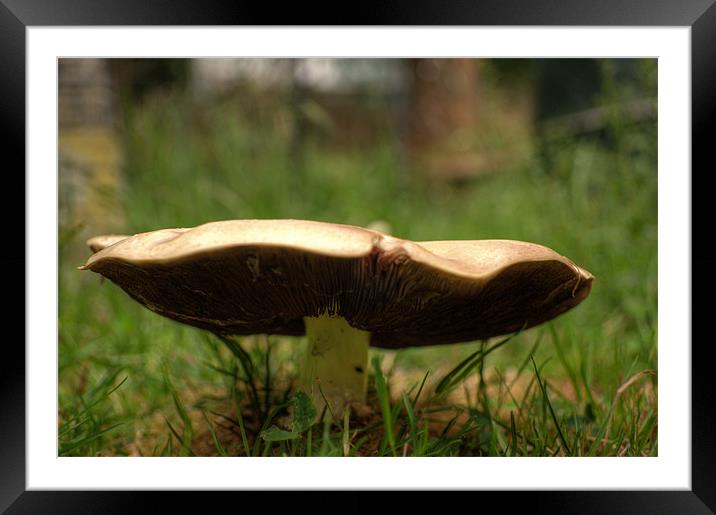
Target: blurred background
column 561, row 152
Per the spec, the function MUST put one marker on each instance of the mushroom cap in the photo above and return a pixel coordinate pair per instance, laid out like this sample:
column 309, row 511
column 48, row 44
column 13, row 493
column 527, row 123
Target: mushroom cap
column 264, row 276
column 97, row 243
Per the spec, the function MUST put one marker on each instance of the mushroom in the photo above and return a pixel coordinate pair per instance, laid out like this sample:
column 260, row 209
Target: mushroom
column 345, row 287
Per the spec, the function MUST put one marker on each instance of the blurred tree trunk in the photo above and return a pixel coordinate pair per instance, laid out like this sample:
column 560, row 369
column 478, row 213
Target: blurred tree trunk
column 90, row 154
column 442, row 113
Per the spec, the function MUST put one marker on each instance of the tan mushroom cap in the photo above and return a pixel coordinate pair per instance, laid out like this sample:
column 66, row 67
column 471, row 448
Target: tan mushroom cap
column 263, row 276
column 98, row 243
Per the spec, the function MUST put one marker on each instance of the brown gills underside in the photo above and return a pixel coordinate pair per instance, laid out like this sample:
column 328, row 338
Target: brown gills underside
column 251, row 290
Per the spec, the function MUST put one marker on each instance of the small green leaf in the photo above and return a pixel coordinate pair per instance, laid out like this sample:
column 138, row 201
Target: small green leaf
column 304, row 412
column 275, row 434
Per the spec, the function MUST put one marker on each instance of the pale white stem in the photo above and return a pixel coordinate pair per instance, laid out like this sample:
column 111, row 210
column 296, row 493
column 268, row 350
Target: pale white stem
column 337, row 361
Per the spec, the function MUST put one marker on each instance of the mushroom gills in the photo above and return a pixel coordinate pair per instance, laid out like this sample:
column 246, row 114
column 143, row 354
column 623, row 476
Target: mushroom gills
column 336, row 363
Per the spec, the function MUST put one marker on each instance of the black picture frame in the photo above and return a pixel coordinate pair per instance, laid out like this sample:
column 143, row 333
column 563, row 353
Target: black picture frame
column 17, row 15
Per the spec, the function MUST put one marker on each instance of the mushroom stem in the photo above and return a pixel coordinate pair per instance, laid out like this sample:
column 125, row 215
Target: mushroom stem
column 336, row 361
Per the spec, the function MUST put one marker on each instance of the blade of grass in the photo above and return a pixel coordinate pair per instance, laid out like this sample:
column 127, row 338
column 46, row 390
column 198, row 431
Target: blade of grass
column 267, row 374
column 309, row 442
column 526, row 362
column 563, row 360
column 92, row 404
column 412, row 424
column 238, row 351
column 326, row 446
column 327, row 405
column 187, row 432
column 220, row 448
column 513, row 433
column 240, row 419
column 604, row 431
column 247, row 364
column 384, row 400
column 66, row 449
column 482, row 390
column 186, row 449
column 420, row 389
column 466, row 366
column 345, row 436
column 551, row 410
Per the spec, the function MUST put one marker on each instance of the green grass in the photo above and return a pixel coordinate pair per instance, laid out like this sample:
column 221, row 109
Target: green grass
column 585, row 384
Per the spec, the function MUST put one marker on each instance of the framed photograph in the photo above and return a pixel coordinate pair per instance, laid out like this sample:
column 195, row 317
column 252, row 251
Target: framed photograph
column 525, row 164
